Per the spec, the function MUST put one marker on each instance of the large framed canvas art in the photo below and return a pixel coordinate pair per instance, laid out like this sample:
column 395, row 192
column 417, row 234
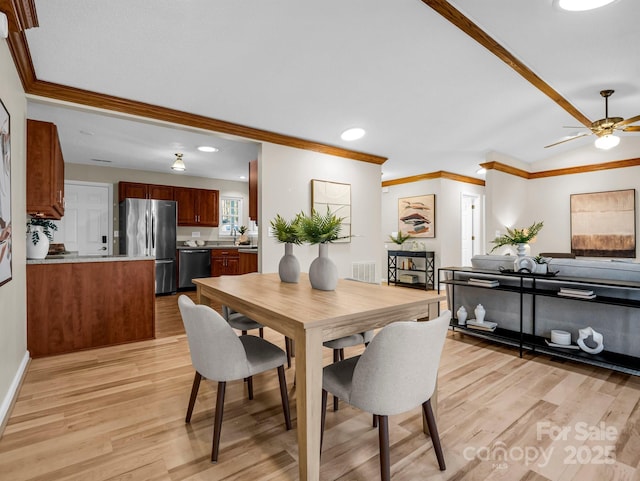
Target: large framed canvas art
column 5, row 195
column 337, row 197
column 417, row 216
column 603, row 224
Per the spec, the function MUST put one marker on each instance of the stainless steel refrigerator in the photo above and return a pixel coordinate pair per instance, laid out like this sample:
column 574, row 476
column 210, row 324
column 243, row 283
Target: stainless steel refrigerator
column 148, row 228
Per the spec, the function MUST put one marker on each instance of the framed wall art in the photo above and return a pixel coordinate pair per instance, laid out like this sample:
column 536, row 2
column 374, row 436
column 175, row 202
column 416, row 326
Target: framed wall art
column 337, row 197
column 417, row 216
column 603, row 224
column 5, row 195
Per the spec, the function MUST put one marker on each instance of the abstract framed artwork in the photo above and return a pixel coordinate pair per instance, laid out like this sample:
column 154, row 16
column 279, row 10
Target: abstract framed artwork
column 417, row 216
column 5, row 195
column 603, row 224
column 337, row 197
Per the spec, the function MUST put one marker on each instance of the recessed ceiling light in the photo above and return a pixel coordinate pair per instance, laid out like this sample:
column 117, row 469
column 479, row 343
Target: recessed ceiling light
column 207, row 148
column 481, row 171
column 243, row 177
column 353, row 134
column 582, row 5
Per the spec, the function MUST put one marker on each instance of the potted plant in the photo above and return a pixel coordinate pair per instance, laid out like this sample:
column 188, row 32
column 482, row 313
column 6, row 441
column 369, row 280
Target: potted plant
column 37, row 243
column 321, row 229
column 400, row 238
column 542, row 264
column 244, row 239
column 285, row 231
column 518, row 237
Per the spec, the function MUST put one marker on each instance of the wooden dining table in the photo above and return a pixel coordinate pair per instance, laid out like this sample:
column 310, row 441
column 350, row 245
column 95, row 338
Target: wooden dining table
column 310, row 317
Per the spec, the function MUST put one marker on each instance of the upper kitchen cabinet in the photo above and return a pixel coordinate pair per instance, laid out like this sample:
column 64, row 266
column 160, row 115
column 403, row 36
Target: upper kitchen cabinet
column 253, row 190
column 45, row 171
column 135, row 190
column 196, row 207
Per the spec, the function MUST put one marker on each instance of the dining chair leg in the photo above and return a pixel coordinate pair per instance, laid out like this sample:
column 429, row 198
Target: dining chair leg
column 261, row 331
column 194, row 394
column 336, row 358
column 433, row 431
column 250, row 387
column 383, row 439
column 287, row 347
column 375, row 421
column 244, row 333
column 323, row 417
column 342, row 354
column 217, row 423
column 285, row 397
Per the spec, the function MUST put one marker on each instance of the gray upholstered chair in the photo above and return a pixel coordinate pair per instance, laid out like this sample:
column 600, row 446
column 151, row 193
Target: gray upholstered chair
column 243, row 324
column 218, row 354
column 397, row 372
column 338, row 346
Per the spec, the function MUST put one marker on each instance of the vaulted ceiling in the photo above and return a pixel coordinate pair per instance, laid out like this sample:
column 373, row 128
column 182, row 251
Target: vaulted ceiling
column 437, row 85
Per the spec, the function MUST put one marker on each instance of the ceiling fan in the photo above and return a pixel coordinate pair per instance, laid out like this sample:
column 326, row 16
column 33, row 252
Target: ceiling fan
column 604, row 128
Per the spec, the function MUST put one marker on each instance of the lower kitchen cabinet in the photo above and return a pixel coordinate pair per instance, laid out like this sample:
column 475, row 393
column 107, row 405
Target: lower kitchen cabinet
column 81, row 305
column 225, row 262
column 248, row 262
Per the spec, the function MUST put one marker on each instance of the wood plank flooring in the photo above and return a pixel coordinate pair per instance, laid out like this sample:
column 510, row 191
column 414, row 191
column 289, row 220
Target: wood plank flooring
column 117, row 413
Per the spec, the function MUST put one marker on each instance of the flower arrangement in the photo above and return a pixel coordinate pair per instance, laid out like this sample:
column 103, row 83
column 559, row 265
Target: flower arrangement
column 517, row 236
column 319, row 228
column 286, row 231
column 47, row 227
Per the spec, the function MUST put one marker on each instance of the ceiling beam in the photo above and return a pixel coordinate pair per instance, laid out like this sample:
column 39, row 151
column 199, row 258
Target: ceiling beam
column 446, row 10
column 440, row 174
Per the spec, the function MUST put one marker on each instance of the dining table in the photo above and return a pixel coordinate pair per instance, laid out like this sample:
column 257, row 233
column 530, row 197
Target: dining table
column 310, row 317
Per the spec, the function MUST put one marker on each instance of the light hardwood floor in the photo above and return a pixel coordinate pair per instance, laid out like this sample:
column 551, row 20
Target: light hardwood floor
column 118, row 414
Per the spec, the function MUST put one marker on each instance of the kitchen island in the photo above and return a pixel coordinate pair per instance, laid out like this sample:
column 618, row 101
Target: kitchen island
column 84, row 302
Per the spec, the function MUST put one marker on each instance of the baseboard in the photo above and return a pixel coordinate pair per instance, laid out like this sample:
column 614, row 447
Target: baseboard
column 12, row 395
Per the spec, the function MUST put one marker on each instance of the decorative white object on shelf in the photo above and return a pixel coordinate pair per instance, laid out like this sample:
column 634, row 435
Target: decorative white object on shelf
column 584, row 333
column 560, row 337
column 462, row 316
column 479, row 312
column 524, row 264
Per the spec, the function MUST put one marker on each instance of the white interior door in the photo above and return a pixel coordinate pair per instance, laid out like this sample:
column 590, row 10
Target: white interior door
column 87, row 212
column 470, row 228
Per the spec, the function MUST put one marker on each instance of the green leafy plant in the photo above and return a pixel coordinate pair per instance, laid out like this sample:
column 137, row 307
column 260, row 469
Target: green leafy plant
column 319, row 228
column 400, row 238
column 242, row 229
column 285, row 230
column 47, row 227
column 517, row 236
column 541, row 260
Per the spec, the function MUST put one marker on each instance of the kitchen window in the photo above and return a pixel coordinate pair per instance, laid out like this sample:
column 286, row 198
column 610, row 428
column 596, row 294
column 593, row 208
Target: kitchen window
column 230, row 216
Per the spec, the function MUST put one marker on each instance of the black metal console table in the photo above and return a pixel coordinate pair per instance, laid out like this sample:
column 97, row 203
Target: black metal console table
column 401, row 263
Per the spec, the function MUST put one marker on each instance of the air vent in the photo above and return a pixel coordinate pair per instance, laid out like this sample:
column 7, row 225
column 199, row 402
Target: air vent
column 101, row 160
column 364, row 271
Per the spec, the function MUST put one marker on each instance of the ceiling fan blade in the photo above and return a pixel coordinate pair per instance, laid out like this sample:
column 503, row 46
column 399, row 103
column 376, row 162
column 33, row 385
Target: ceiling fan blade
column 567, row 140
column 632, row 128
column 630, row 120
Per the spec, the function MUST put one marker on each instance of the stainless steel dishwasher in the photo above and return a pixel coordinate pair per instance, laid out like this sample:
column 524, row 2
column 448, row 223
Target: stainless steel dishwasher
column 193, row 264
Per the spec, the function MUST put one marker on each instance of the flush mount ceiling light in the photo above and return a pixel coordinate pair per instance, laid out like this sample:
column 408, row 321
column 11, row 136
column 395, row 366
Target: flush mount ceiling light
column 481, row 171
column 582, row 5
column 607, row 142
column 207, row 148
column 353, row 134
column 178, row 164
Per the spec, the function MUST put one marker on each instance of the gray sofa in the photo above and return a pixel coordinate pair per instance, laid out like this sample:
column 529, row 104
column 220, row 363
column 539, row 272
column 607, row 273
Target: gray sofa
column 619, row 325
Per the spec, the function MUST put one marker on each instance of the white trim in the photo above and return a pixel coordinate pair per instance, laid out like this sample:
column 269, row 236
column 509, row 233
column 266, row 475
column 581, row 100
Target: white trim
column 12, row 393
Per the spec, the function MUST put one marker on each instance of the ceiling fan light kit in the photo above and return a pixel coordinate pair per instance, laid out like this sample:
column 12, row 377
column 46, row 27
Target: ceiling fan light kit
column 607, row 142
column 178, row 164
column 582, row 5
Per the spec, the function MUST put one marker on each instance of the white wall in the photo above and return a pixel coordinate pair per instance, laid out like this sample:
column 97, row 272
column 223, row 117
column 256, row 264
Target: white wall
column 13, row 304
column 285, row 175
column 447, row 244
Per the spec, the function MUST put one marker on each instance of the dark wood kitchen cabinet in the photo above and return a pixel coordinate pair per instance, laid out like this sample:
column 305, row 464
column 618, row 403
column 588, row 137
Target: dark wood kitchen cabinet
column 225, row 262
column 248, row 262
column 253, row 191
column 136, row 190
column 45, row 171
column 196, row 207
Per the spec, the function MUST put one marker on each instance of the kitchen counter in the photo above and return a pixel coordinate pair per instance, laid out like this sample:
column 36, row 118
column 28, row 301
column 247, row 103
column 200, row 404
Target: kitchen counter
column 75, row 258
column 221, row 246
column 245, row 250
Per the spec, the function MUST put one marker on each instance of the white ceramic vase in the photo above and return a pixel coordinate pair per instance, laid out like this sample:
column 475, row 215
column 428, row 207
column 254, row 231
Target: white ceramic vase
column 323, row 273
column 462, row 316
column 479, row 312
column 521, row 249
column 289, row 267
column 37, row 250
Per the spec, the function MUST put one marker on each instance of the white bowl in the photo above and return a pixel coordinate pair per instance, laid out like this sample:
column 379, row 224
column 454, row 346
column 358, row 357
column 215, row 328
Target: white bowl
column 560, row 337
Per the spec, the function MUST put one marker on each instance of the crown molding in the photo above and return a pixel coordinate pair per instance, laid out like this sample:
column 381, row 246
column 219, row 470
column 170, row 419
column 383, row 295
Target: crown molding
column 441, row 174
column 506, row 169
column 582, row 169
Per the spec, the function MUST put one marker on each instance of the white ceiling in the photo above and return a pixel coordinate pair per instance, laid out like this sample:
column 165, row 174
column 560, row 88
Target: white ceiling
column 429, row 96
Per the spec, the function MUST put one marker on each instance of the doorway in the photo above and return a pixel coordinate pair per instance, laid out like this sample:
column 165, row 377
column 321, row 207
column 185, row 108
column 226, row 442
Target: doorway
column 85, row 226
column 470, row 216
